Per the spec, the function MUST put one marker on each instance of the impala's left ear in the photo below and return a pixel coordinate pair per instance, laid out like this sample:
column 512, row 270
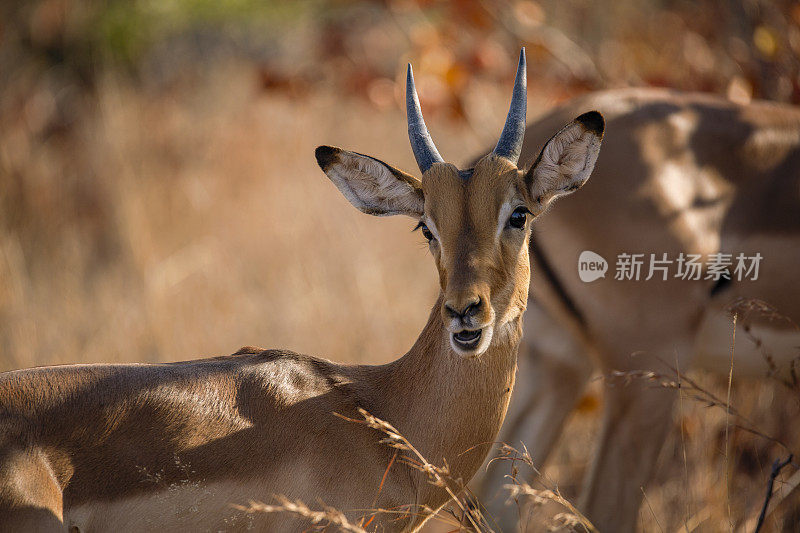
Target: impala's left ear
column 566, row 161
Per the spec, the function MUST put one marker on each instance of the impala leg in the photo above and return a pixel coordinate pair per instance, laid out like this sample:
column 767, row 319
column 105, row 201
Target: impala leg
column 637, row 418
column 551, row 375
column 30, row 496
column 636, row 422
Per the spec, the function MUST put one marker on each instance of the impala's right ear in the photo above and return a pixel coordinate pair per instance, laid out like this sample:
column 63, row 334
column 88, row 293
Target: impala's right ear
column 370, row 184
column 566, row 160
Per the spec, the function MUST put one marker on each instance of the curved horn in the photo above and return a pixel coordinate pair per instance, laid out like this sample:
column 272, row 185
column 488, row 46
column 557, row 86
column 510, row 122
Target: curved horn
column 510, row 143
column 425, row 151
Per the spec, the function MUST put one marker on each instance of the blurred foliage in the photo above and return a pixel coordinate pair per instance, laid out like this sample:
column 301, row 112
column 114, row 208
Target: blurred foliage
column 748, row 48
column 126, row 30
column 86, row 35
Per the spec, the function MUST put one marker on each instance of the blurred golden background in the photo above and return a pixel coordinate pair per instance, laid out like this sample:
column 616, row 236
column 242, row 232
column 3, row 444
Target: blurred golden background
column 159, row 198
column 158, row 193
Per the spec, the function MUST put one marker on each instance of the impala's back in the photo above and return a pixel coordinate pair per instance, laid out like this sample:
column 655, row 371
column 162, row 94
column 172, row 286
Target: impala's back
column 680, row 173
column 173, row 445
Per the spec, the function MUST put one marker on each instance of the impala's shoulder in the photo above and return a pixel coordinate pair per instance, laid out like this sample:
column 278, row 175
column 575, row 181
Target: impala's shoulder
column 254, row 356
column 249, row 350
column 290, row 373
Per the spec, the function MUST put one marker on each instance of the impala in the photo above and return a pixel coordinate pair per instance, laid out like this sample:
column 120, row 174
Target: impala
column 680, row 173
column 172, row 446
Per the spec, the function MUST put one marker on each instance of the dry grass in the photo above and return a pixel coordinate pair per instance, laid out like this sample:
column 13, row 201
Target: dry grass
column 328, row 517
column 523, row 494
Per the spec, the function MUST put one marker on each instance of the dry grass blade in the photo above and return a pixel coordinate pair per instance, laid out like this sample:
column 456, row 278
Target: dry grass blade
column 569, row 519
column 696, row 392
column 727, row 428
column 690, row 498
column 744, row 309
column 437, row 476
column 652, row 512
column 327, row 517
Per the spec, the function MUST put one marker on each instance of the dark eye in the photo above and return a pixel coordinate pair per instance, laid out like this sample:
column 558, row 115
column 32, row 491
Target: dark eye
column 425, row 231
column 518, row 218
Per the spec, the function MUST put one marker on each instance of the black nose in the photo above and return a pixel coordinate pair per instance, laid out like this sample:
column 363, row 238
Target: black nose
column 467, row 311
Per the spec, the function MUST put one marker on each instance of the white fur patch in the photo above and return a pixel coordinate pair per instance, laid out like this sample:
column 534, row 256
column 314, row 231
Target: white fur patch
column 372, row 188
column 505, row 212
column 566, row 163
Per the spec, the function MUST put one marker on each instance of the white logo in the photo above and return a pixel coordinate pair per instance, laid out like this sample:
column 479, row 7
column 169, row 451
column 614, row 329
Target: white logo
column 591, row 266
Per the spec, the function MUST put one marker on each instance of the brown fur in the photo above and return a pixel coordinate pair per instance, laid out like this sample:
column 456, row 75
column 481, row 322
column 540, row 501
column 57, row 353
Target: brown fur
column 171, row 446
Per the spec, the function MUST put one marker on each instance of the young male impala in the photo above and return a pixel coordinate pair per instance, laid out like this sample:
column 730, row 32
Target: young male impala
column 172, row 446
column 680, row 173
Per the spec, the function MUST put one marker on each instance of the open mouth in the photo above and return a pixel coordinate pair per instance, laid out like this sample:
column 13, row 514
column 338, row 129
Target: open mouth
column 467, row 339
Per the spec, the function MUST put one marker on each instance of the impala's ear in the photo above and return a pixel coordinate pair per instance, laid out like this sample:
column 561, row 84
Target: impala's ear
column 566, row 160
column 370, row 184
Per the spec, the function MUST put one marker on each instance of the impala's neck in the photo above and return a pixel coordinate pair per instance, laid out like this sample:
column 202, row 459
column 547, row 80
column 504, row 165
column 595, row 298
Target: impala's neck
column 448, row 406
